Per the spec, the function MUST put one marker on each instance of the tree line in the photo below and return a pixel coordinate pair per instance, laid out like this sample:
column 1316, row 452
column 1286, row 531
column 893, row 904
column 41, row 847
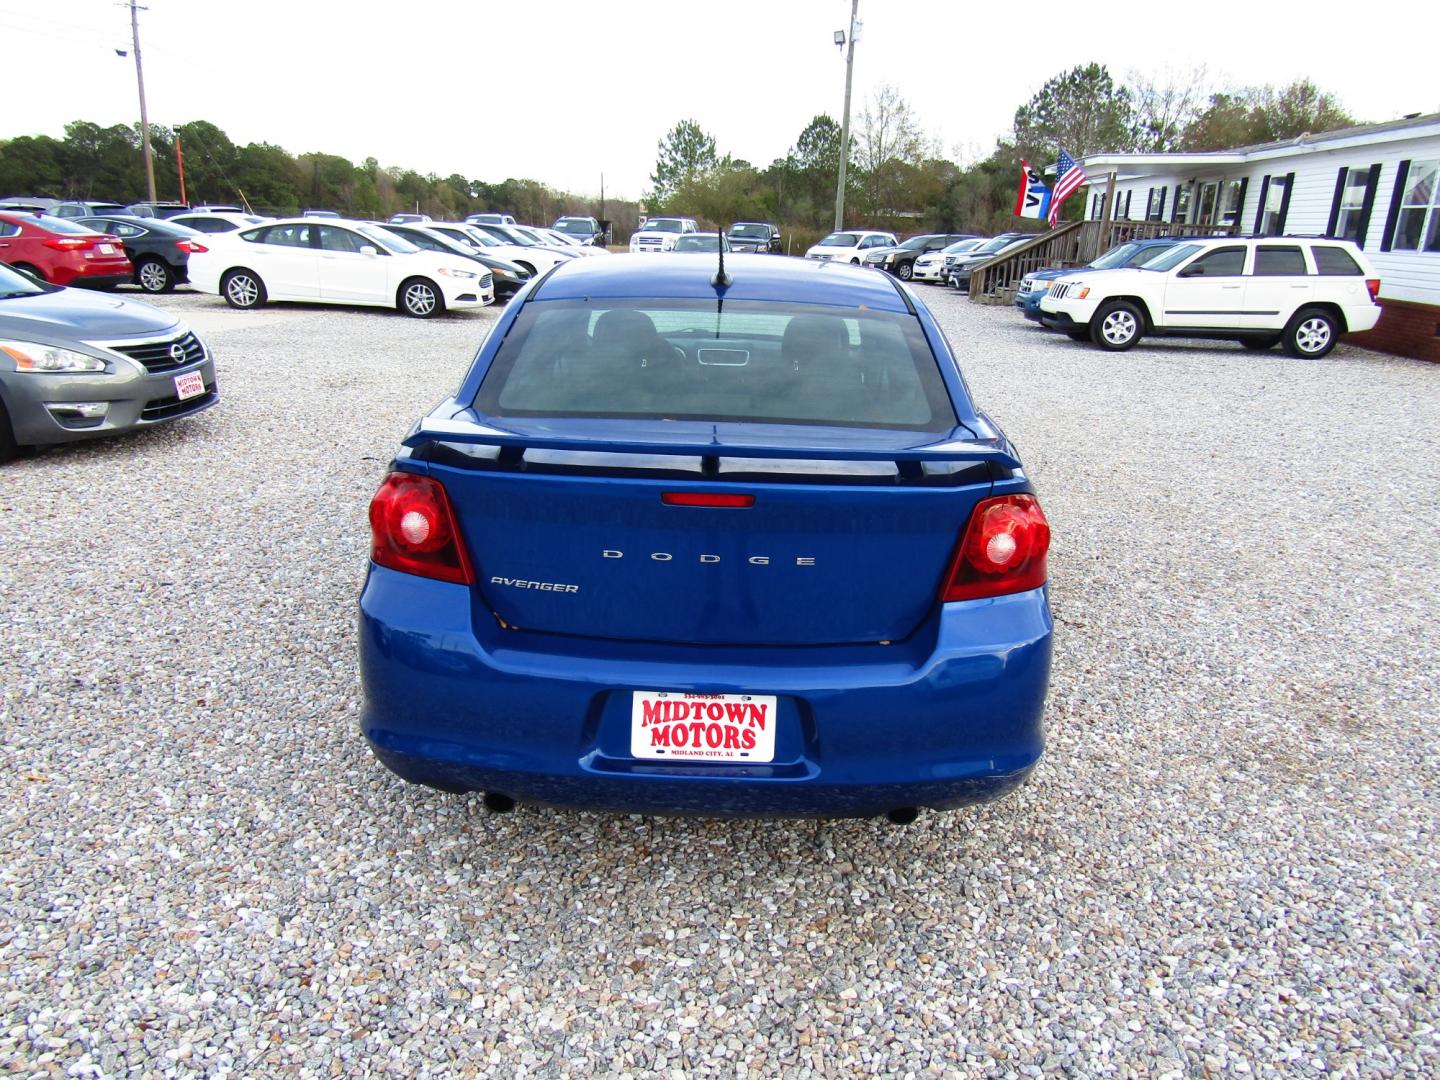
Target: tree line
column 94, row 162
column 898, row 176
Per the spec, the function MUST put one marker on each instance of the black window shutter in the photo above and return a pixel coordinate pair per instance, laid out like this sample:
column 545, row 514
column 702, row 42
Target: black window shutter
column 1285, row 202
column 1240, row 204
column 1163, row 192
column 1335, row 203
column 1260, row 210
column 1393, row 217
column 1368, row 205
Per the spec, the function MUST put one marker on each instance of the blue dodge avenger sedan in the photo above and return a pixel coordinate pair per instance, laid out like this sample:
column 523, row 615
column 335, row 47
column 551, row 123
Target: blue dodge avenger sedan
column 713, row 540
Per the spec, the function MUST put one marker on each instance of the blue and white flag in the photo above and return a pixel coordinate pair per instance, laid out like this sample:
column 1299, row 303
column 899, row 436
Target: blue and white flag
column 1033, row 201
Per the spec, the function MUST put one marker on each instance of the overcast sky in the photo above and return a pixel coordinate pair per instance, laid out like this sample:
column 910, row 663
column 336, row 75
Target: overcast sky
column 561, row 91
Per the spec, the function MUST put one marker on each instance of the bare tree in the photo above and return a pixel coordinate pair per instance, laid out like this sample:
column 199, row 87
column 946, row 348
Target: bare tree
column 1166, row 105
column 889, row 135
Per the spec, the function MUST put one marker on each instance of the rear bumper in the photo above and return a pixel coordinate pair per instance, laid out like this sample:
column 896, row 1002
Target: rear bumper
column 952, row 717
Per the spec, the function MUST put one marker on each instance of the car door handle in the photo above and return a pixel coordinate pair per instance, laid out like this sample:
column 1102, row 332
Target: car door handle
column 1230, row 286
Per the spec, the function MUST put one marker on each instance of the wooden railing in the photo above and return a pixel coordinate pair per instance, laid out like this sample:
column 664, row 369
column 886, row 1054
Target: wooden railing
column 994, row 282
column 1075, row 243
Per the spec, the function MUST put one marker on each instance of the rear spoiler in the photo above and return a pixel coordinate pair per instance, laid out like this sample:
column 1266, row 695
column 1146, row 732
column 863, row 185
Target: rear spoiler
column 433, row 430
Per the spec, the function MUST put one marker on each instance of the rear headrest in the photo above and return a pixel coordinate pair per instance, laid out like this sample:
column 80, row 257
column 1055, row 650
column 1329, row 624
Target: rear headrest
column 811, row 338
column 622, row 328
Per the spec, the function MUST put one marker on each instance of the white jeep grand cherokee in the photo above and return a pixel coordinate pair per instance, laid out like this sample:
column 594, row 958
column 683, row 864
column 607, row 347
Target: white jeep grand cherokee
column 1300, row 292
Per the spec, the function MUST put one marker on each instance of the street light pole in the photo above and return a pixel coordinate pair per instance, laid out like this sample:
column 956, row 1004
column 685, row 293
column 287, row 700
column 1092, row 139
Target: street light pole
column 845, row 122
column 144, row 118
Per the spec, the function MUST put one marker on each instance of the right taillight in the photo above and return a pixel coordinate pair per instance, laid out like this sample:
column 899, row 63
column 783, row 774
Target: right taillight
column 70, row 243
column 413, row 529
column 1373, row 284
column 1003, row 550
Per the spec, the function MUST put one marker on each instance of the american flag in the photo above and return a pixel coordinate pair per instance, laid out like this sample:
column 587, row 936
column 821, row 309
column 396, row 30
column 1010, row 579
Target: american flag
column 1068, row 177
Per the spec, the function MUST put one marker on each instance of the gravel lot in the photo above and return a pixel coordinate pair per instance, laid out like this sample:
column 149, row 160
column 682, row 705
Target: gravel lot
column 1228, row 862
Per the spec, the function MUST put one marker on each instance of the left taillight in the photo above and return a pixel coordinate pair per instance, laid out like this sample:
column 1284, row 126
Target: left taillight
column 413, row 530
column 192, row 246
column 1003, row 550
column 1373, row 284
column 71, row 243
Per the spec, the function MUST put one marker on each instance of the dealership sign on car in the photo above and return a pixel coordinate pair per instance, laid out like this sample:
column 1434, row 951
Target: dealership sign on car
column 702, row 727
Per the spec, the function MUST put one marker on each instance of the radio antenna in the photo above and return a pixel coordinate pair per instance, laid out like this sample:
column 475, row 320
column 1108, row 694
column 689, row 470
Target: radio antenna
column 721, row 280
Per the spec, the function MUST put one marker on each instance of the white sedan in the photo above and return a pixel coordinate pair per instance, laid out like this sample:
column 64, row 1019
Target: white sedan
column 530, row 257
column 336, row 262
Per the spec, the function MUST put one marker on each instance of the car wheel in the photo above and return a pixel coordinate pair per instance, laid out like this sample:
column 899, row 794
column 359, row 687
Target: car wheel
column 154, row 276
column 33, row 271
column 1310, row 334
column 1117, row 325
column 854, row 262
column 905, row 271
column 1260, row 344
column 9, row 449
column 526, row 267
column 421, row 298
column 242, row 289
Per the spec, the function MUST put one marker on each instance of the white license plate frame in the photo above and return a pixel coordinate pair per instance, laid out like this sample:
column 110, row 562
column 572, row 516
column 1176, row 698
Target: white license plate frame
column 189, row 385
column 666, row 725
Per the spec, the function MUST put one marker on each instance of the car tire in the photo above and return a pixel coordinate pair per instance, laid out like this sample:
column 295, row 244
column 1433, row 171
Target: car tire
column 420, row 298
column 242, row 289
column 9, row 449
column 154, row 276
column 854, row 262
column 1117, row 325
column 33, row 271
column 1260, row 344
column 1310, row 334
column 905, row 271
column 526, row 267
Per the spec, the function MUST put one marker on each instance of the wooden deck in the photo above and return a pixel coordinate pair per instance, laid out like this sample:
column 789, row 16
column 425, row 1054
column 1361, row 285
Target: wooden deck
column 1075, row 243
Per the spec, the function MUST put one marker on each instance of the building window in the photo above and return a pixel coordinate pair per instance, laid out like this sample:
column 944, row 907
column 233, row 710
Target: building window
column 1418, row 226
column 1182, row 205
column 1272, row 218
column 1232, row 193
column 1354, row 206
column 1155, row 205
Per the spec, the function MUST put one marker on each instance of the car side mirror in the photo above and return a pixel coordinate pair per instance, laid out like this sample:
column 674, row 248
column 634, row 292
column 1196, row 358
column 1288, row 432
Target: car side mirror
column 369, row 250
column 1192, row 271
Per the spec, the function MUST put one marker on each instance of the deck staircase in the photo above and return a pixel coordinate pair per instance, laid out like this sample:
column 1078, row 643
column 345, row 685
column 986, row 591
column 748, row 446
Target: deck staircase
column 1075, row 243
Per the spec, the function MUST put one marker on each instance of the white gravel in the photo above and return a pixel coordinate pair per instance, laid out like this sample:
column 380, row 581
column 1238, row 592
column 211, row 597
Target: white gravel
column 1227, row 863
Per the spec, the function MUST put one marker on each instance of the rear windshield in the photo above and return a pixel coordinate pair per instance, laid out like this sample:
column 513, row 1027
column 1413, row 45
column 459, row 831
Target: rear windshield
column 62, row 225
column 682, row 360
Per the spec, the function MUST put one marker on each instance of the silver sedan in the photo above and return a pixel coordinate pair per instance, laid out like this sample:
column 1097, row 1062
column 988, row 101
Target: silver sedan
column 76, row 364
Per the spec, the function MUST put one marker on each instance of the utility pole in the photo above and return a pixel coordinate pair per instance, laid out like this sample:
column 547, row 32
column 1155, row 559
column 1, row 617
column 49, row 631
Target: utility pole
column 144, row 118
column 845, row 122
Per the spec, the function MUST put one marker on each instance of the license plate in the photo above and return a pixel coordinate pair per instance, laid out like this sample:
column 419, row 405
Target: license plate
column 107, row 249
column 669, row 726
column 191, row 384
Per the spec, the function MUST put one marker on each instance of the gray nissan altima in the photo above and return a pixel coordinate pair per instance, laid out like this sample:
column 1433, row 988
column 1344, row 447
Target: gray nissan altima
column 75, row 364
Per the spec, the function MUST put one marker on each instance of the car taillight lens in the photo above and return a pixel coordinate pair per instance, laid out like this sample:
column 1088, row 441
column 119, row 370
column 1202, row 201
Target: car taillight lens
column 703, row 498
column 414, row 531
column 69, row 243
column 1003, row 550
column 192, row 246
column 1373, row 284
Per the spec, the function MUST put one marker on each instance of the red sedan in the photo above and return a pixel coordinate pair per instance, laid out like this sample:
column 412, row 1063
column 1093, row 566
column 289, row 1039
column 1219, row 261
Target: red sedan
column 62, row 252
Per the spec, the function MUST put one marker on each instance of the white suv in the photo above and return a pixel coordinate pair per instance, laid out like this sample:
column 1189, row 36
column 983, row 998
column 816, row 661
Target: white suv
column 1302, row 292
column 850, row 246
column 660, row 233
